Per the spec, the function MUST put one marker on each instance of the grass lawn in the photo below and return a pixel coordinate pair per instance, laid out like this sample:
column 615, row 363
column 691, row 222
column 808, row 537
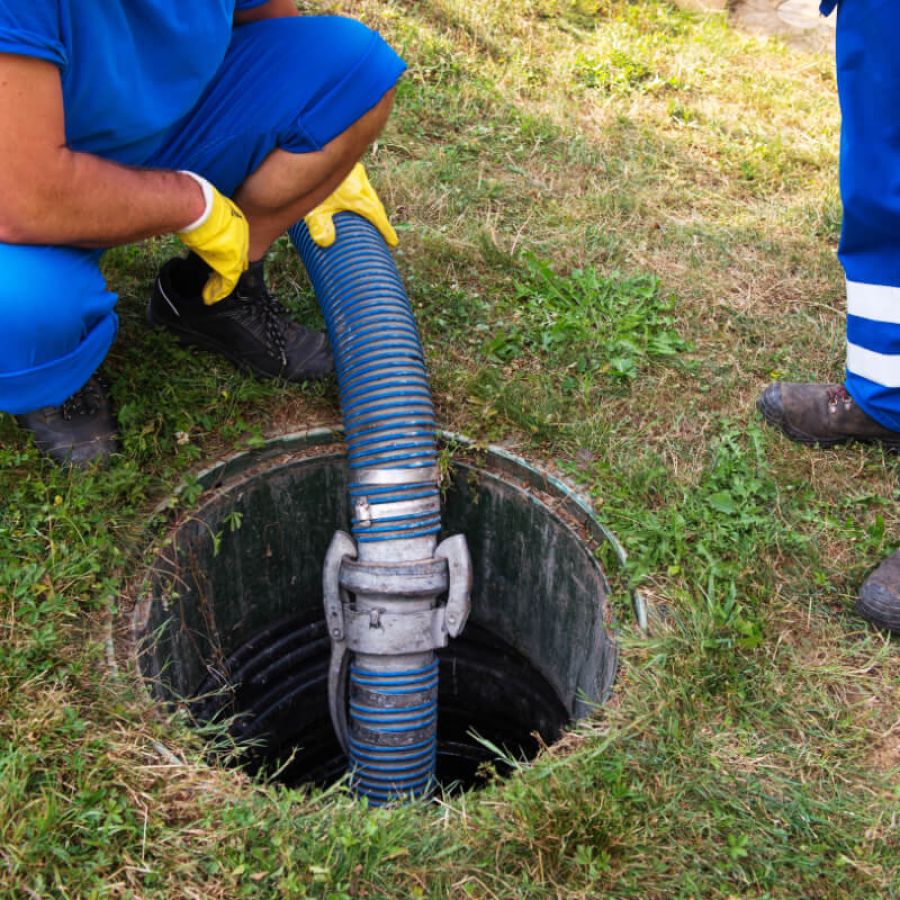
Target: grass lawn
column 618, row 223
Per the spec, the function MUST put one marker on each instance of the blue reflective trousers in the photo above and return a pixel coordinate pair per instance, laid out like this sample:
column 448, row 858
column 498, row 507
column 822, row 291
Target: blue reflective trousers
column 868, row 76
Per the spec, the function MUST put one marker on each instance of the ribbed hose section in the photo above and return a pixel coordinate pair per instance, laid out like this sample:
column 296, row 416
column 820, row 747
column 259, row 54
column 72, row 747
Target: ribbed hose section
column 389, row 427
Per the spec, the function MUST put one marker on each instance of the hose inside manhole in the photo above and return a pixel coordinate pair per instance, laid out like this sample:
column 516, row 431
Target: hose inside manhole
column 277, row 707
column 229, row 621
column 381, row 586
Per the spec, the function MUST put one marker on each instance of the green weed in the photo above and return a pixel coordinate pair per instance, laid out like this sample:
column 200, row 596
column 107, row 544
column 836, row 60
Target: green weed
column 588, row 323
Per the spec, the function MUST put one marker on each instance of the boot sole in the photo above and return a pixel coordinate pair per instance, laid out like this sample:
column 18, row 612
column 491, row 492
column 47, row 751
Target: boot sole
column 879, row 607
column 198, row 340
column 772, row 415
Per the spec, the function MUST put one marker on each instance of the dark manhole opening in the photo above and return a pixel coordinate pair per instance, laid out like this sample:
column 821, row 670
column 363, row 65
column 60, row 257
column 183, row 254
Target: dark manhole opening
column 275, row 699
column 229, row 622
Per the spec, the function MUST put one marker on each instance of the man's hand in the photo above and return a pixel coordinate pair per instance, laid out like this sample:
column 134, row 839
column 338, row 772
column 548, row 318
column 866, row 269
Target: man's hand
column 355, row 194
column 220, row 237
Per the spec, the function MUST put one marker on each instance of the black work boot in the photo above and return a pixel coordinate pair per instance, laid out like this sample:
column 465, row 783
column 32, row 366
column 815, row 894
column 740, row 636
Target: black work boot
column 823, row 414
column 249, row 327
column 879, row 597
column 79, row 432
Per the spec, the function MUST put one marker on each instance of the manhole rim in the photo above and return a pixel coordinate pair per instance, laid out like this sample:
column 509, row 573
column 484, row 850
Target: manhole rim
column 576, row 505
column 327, row 442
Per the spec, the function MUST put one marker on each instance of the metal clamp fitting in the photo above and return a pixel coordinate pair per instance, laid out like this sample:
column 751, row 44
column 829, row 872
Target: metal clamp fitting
column 381, row 632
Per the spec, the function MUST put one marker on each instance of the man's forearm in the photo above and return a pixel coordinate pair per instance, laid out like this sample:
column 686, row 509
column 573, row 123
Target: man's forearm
column 83, row 200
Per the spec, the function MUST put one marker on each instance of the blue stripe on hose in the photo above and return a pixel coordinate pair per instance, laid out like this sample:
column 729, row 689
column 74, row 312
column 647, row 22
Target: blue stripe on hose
column 367, row 413
column 378, row 797
column 361, row 335
column 395, row 676
column 401, row 498
column 391, row 787
column 368, row 442
column 399, row 775
column 400, row 350
column 399, row 782
column 410, row 723
column 411, row 690
column 392, row 773
column 364, row 539
column 394, row 754
column 396, row 379
column 409, row 423
column 394, row 778
column 403, row 729
column 399, row 528
column 418, row 396
column 415, row 400
column 382, row 685
column 393, row 523
column 391, row 783
column 366, row 710
column 403, row 374
column 393, row 751
column 373, row 490
column 412, row 387
column 413, row 769
column 389, row 462
column 392, row 448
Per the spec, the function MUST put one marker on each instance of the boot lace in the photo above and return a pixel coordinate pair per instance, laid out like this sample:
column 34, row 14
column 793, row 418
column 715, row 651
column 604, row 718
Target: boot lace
column 273, row 316
column 838, row 394
column 84, row 402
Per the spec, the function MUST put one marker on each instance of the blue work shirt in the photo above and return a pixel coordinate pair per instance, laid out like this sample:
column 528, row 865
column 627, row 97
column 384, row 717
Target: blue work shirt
column 130, row 69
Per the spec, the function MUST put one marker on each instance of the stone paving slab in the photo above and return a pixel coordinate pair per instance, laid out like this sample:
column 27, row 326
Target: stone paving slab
column 797, row 22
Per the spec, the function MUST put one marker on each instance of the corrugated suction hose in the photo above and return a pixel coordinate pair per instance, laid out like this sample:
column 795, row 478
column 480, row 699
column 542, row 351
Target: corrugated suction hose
column 381, row 587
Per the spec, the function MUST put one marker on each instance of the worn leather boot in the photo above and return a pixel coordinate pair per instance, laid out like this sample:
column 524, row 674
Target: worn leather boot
column 80, row 432
column 879, row 597
column 823, row 414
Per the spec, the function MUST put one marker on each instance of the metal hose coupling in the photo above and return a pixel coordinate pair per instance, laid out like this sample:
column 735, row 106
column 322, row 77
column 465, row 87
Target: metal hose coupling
column 385, row 612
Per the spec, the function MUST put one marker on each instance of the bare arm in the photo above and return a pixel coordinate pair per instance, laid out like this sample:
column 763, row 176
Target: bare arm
column 52, row 195
column 274, row 9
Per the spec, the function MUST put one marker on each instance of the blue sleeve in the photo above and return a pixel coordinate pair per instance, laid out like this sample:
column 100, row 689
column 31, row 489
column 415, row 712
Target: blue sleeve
column 32, row 29
column 249, row 4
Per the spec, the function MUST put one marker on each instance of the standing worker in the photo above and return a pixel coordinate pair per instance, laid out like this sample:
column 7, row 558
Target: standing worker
column 866, row 407
column 221, row 121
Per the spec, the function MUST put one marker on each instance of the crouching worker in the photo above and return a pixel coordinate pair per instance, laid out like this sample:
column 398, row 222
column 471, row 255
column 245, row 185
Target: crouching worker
column 221, row 121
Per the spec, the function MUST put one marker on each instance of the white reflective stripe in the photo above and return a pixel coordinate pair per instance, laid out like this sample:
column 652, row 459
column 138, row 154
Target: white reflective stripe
column 882, row 368
column 874, row 301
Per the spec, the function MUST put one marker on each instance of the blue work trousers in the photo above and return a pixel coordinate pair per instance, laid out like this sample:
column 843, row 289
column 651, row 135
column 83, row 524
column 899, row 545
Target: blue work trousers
column 868, row 77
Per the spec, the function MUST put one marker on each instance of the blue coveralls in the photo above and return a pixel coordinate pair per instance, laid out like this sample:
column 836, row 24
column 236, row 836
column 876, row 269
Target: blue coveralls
column 868, row 77
column 164, row 84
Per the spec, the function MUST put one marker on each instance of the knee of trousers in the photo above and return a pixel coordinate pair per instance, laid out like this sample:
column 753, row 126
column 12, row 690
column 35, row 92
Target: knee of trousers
column 292, row 83
column 321, row 74
column 56, row 323
column 318, row 50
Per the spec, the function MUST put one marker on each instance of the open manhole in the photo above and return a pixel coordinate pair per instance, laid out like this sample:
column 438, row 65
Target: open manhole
column 229, row 619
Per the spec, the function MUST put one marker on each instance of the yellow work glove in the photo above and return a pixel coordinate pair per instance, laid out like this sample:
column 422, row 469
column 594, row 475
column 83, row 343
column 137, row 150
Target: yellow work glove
column 355, row 194
column 221, row 238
